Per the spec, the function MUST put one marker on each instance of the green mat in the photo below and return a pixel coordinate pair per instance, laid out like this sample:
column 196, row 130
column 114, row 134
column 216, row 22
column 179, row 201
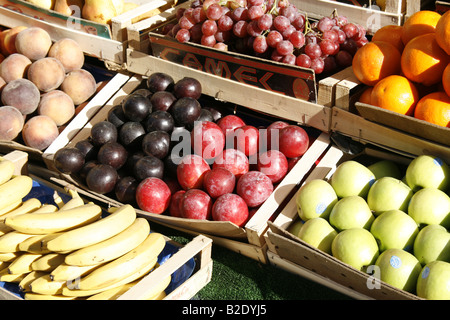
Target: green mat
column 236, row 277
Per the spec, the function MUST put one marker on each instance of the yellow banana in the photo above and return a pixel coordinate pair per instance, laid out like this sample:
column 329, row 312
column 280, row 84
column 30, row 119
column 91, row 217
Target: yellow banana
column 7, row 169
column 70, row 289
column 48, row 262
column 24, row 284
column 113, row 293
column 113, row 247
column 14, row 189
column 38, row 296
column 44, row 223
column 154, row 292
column 74, row 202
column 27, row 206
column 125, row 265
column 45, row 285
column 64, row 272
column 46, row 208
column 8, row 277
column 95, row 232
column 10, row 241
column 16, row 204
column 4, row 229
column 38, row 243
column 22, row 264
column 9, row 256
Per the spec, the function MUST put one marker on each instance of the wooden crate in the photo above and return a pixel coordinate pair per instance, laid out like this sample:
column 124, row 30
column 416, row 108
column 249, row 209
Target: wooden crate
column 251, row 234
column 365, row 131
column 197, row 252
column 291, row 253
column 442, row 6
column 103, row 41
column 79, row 120
column 370, row 16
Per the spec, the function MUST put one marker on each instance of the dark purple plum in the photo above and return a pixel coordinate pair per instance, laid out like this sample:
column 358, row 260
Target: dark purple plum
column 116, row 116
column 162, row 100
column 160, row 81
column 102, row 178
column 125, row 189
column 131, row 134
column 136, row 107
column 187, row 87
column 103, row 132
column 113, row 154
column 156, row 143
column 148, row 166
column 68, row 160
column 185, row 111
column 159, row 120
column 87, row 148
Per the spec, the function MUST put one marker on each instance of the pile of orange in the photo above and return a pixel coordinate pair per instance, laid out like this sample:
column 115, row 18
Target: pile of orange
column 407, row 68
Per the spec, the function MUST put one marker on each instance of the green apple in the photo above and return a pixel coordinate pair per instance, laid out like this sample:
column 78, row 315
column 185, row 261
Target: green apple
column 427, row 171
column 430, row 206
column 432, row 243
column 318, row 233
column 352, row 178
column 295, row 227
column 385, row 168
column 356, row 247
column 434, row 281
column 394, row 229
column 351, row 212
column 388, row 193
column 315, row 199
column 399, row 268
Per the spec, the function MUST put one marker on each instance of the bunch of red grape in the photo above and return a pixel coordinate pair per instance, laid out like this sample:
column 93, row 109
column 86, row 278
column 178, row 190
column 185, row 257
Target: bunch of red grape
column 271, row 29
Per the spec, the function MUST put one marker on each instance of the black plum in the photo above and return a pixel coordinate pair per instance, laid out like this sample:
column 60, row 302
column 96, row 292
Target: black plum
column 131, row 134
column 113, row 154
column 87, row 148
column 116, row 116
column 159, row 120
column 136, row 107
column 156, row 143
column 160, row 81
column 162, row 100
column 149, row 166
column 185, row 111
column 143, row 92
column 125, row 189
column 187, row 87
column 102, row 178
column 69, row 160
column 103, row 132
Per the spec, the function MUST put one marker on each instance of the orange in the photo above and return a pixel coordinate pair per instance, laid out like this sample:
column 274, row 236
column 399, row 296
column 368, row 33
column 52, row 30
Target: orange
column 443, row 32
column 395, row 93
column 365, row 95
column 375, row 61
column 391, row 34
column 423, row 60
column 419, row 23
column 446, row 79
column 434, row 108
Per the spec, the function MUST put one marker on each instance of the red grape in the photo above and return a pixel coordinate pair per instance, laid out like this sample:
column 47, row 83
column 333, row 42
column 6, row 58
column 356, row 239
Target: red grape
column 214, row 11
column 252, row 28
column 297, row 38
column 350, row 30
column 225, row 23
column 240, row 29
column 239, row 14
column 289, row 59
column 285, row 47
column 265, row 21
column 186, row 22
column 209, row 27
column 255, row 12
column 281, row 23
column 343, row 58
column 303, row 60
column 273, row 37
column 208, row 41
column 199, row 15
column 260, row 44
column 183, row 35
column 313, row 50
column 317, row 65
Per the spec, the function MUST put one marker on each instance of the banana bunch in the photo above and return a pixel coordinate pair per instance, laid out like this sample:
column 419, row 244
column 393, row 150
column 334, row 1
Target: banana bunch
column 68, row 250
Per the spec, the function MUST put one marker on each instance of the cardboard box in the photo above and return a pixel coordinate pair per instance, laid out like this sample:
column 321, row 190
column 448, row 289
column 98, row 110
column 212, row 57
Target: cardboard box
column 291, row 253
column 106, row 42
column 190, row 265
column 252, row 233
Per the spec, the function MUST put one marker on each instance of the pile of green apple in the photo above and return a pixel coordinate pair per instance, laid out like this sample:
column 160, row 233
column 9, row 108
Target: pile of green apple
column 397, row 220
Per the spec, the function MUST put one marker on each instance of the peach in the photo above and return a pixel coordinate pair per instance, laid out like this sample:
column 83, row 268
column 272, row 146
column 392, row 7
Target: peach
column 39, row 132
column 10, row 39
column 11, row 124
column 15, row 66
column 46, row 73
column 2, row 84
column 69, row 52
column 34, row 42
column 80, row 85
column 57, row 105
column 22, row 94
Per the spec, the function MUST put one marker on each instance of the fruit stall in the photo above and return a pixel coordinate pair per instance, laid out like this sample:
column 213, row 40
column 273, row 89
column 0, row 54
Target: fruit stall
column 186, row 150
